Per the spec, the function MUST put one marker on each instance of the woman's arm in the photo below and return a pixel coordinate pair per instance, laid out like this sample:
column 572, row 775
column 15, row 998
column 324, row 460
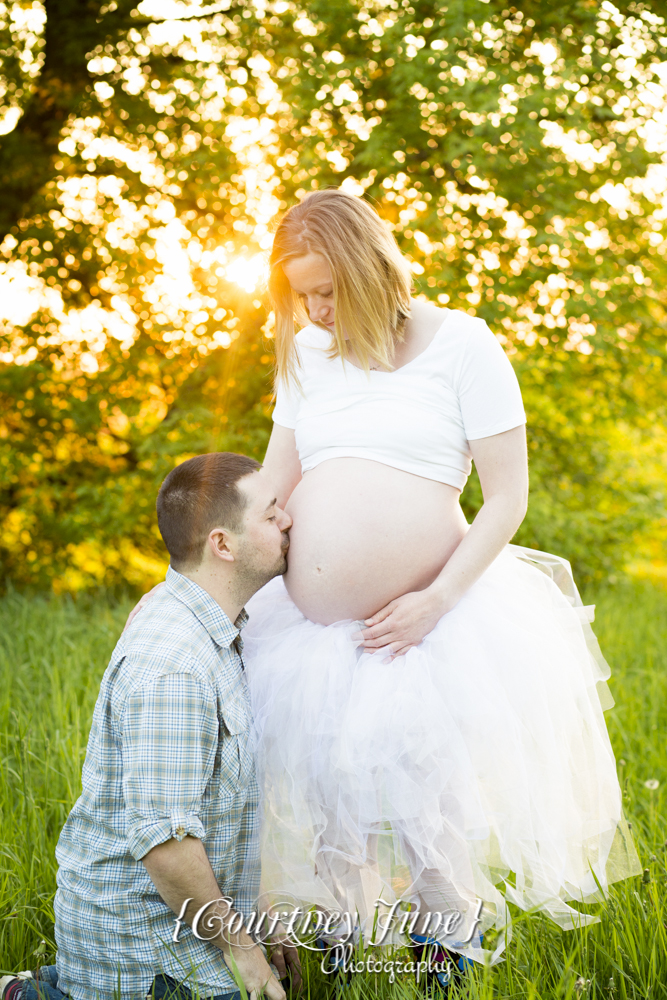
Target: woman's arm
column 281, row 462
column 502, row 466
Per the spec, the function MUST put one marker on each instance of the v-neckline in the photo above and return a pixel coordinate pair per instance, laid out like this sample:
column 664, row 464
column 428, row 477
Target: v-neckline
column 379, row 371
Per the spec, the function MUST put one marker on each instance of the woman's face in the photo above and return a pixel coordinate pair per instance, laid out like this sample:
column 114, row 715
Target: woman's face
column 310, row 278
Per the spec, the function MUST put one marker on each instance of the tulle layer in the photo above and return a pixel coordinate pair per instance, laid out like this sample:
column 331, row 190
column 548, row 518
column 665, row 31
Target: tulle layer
column 475, row 767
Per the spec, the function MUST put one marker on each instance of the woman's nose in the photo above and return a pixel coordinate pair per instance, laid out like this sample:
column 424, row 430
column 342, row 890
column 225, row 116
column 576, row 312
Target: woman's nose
column 317, row 309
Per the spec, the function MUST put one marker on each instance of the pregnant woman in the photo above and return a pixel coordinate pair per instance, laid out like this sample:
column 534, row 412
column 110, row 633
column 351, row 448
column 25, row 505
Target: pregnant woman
column 428, row 699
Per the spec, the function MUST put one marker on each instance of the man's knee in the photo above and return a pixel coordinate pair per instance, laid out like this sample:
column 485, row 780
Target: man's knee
column 41, row 985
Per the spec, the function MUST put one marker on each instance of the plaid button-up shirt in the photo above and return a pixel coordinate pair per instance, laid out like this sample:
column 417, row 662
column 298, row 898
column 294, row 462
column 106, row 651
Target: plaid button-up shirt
column 168, row 755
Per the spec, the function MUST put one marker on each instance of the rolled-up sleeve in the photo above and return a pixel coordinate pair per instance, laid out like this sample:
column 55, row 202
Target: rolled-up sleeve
column 169, row 733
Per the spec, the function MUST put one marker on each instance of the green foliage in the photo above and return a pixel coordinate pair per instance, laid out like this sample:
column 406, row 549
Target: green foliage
column 82, row 504
column 52, row 656
column 505, row 147
column 464, row 156
column 598, row 480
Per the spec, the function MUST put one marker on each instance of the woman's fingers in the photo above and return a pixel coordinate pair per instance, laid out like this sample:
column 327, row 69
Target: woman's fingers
column 389, row 631
column 395, row 642
column 403, row 624
column 380, row 615
column 376, row 632
column 143, row 601
column 134, row 612
column 401, row 651
column 378, row 640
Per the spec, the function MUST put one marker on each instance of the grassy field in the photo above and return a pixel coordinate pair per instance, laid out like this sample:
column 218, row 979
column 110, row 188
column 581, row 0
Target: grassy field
column 52, row 655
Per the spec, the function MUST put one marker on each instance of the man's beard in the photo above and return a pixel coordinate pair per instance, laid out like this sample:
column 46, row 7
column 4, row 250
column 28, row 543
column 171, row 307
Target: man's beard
column 253, row 575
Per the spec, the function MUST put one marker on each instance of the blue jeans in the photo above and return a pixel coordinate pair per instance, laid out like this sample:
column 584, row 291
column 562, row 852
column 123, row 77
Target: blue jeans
column 163, row 988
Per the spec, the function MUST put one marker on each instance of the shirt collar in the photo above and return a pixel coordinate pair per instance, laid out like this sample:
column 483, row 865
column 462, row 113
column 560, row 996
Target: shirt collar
column 207, row 610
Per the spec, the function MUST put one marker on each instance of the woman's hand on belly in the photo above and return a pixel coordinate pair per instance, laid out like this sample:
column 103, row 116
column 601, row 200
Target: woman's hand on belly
column 403, row 623
column 364, row 534
column 503, row 471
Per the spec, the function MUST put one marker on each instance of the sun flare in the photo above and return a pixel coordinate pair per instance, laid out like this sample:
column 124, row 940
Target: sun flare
column 247, row 272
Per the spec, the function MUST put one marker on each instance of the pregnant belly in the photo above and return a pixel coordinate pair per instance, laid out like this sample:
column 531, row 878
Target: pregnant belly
column 363, row 534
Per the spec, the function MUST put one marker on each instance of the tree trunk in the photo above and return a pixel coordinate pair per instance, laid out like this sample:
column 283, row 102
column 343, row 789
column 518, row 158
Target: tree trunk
column 27, row 154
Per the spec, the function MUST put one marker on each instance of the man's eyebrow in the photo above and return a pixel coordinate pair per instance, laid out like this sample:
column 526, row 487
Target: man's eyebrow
column 270, row 505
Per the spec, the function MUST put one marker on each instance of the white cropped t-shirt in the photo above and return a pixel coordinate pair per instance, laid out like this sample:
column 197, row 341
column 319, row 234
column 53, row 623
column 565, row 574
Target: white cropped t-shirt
column 418, row 418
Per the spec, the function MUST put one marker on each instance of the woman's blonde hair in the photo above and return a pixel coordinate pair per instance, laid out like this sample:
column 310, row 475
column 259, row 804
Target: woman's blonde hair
column 370, row 276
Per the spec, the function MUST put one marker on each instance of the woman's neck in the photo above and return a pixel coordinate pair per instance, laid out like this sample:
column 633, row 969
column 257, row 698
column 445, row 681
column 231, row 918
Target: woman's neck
column 420, row 328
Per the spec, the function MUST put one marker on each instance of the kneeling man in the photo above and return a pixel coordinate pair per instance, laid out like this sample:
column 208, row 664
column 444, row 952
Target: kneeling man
column 166, row 821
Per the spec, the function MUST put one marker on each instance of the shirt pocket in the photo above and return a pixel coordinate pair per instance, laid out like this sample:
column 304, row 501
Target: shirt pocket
column 234, row 763
column 227, row 778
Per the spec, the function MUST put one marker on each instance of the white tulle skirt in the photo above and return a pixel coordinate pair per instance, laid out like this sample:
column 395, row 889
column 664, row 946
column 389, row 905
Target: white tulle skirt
column 473, row 770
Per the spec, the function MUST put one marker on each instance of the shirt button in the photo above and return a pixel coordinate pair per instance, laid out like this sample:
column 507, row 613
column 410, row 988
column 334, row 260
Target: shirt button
column 180, row 832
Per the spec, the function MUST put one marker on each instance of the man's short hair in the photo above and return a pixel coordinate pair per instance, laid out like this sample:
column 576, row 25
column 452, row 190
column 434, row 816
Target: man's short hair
column 197, row 496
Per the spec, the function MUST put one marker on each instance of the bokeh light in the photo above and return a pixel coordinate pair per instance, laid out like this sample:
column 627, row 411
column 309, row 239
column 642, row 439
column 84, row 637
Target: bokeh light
column 246, row 272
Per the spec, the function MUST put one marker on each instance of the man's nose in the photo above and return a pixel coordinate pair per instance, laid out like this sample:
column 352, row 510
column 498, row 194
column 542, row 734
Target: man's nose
column 285, row 521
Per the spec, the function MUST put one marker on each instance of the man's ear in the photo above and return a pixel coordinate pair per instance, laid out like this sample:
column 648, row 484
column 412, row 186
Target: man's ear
column 218, row 543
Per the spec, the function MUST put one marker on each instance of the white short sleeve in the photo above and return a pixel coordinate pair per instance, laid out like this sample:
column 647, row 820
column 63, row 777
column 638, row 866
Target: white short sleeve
column 287, row 405
column 488, row 389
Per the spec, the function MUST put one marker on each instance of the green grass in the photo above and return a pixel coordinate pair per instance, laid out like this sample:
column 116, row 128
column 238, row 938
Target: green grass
column 52, row 655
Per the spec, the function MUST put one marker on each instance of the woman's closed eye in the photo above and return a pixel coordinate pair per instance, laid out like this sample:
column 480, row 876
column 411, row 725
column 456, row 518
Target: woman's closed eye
column 321, row 295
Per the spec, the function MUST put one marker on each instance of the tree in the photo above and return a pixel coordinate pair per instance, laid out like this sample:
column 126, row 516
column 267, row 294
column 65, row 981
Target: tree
column 508, row 148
